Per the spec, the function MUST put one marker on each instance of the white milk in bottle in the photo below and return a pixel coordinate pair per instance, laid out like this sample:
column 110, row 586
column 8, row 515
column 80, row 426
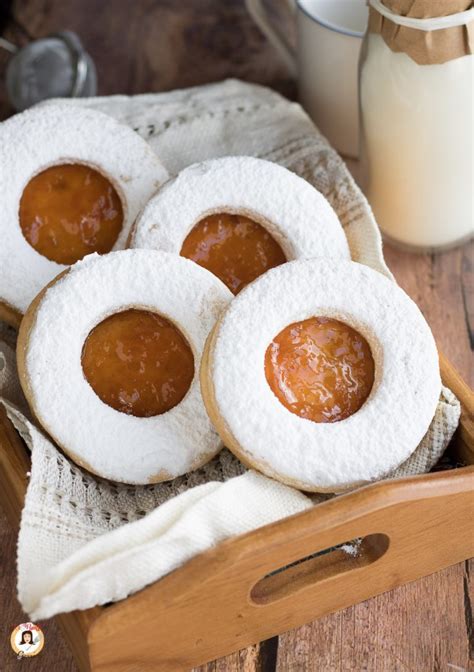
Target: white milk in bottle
column 417, row 110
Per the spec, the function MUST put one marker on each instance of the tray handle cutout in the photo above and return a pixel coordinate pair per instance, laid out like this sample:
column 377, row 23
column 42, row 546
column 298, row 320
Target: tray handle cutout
column 321, row 566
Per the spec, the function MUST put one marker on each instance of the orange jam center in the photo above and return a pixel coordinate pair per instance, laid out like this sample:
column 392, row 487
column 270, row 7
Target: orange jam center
column 320, row 369
column 69, row 211
column 138, row 362
column 234, row 248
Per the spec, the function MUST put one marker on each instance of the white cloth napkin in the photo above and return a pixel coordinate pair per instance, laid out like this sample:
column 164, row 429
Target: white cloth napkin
column 84, row 541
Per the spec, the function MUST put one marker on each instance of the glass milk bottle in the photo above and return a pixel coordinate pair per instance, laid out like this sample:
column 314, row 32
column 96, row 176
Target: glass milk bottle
column 417, row 120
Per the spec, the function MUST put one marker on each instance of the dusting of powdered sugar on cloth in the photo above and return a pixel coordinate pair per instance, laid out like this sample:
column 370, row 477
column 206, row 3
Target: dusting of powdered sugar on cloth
column 41, row 137
column 297, row 216
column 66, row 508
column 315, row 455
column 110, row 443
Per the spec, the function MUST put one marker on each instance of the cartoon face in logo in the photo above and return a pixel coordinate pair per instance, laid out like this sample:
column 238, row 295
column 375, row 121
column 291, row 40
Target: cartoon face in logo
column 27, row 640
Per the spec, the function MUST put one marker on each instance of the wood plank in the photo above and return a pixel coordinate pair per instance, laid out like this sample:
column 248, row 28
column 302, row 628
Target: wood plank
column 420, row 627
column 463, row 445
column 258, row 658
column 442, row 286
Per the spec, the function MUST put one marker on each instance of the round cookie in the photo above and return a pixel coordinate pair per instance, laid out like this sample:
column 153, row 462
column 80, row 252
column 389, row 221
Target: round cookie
column 239, row 216
column 69, row 176
column 247, row 346
column 77, row 347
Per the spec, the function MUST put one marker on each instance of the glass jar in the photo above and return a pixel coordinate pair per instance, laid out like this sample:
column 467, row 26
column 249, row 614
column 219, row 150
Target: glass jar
column 417, row 122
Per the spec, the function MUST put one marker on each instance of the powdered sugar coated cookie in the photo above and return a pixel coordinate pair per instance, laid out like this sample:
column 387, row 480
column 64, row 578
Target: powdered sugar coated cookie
column 322, row 456
column 54, row 135
column 52, row 338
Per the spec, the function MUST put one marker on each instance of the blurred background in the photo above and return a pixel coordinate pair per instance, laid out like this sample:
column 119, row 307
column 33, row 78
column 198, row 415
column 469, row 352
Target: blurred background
column 140, row 46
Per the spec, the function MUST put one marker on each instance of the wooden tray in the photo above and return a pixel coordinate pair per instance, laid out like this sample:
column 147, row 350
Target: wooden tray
column 232, row 596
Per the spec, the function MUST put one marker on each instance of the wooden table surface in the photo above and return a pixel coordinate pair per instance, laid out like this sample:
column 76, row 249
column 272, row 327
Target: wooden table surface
column 158, row 45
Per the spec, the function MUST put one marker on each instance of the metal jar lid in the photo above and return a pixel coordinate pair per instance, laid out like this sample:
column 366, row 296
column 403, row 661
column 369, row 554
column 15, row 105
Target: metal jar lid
column 56, row 66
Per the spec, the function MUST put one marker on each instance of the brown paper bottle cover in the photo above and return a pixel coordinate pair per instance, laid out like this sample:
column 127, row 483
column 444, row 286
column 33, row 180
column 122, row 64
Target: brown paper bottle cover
column 425, row 48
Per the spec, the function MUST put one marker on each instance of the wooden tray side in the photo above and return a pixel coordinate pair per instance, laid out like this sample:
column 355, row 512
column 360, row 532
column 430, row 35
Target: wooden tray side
column 14, row 466
column 10, row 315
column 463, row 443
column 205, row 609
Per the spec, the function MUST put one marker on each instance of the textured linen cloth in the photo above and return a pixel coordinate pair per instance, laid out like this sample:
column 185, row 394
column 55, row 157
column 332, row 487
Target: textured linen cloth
column 85, row 541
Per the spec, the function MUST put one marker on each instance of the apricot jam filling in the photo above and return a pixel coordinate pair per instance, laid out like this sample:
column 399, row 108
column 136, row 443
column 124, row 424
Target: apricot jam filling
column 320, row 369
column 69, row 211
column 138, row 362
column 233, row 247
